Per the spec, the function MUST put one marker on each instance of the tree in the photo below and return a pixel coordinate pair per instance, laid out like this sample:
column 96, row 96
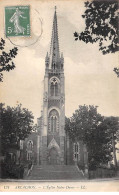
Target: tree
column 16, row 124
column 6, row 63
column 116, row 70
column 87, row 125
column 111, row 125
column 101, row 18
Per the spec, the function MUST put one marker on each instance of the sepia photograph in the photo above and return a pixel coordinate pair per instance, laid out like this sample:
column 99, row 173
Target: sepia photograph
column 59, row 95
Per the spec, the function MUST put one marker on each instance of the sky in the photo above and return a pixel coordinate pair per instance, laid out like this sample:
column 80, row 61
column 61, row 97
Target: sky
column 89, row 76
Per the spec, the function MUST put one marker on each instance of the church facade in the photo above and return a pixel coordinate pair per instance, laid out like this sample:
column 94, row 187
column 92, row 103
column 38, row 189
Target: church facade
column 52, row 150
column 51, row 144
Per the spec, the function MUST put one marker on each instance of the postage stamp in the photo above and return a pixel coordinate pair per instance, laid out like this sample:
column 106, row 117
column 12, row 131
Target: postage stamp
column 17, row 21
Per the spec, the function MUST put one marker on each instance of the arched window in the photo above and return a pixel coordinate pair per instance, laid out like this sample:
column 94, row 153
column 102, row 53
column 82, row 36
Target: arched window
column 29, row 149
column 30, row 145
column 54, row 87
column 53, row 121
column 76, row 151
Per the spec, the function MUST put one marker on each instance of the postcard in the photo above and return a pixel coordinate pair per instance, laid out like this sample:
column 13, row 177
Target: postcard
column 59, row 96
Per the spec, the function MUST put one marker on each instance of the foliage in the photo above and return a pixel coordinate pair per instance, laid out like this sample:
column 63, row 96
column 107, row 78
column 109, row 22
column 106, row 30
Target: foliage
column 88, row 125
column 12, row 171
column 84, row 118
column 111, row 124
column 6, row 63
column 101, row 18
column 116, row 70
column 16, row 125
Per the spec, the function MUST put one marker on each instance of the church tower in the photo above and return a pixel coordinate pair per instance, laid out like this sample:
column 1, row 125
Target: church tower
column 52, row 147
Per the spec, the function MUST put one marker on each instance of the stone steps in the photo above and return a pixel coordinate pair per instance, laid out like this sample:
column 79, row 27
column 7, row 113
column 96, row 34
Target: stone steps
column 55, row 172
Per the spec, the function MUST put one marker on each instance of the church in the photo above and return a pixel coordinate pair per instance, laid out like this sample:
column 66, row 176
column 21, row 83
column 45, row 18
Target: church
column 51, row 145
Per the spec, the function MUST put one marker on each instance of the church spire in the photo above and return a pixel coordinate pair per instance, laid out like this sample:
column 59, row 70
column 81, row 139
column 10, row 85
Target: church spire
column 54, row 48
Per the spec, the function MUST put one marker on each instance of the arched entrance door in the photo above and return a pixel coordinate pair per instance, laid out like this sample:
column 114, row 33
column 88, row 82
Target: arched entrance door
column 53, row 156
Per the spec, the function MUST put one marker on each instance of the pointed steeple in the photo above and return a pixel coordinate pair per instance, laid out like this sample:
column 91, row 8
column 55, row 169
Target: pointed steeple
column 54, row 48
column 54, row 61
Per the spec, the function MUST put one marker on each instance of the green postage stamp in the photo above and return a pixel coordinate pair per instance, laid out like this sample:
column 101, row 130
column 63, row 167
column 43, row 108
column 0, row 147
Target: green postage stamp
column 17, row 21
